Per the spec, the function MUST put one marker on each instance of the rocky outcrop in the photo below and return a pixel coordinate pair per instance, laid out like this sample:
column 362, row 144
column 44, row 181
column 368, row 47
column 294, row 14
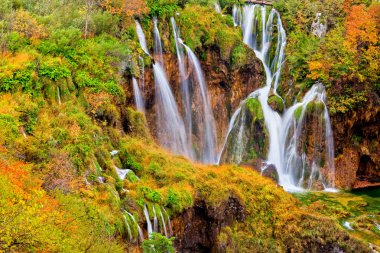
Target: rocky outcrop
column 357, row 145
column 197, row 228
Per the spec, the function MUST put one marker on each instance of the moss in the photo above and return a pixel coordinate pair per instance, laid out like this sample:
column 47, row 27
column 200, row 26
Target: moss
column 254, row 106
column 238, row 56
column 315, row 107
column 298, row 112
column 276, row 103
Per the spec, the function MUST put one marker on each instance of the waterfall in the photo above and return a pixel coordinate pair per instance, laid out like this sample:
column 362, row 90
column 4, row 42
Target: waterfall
column 236, row 15
column 148, row 223
column 206, row 122
column 155, row 220
column 266, row 36
column 141, row 75
column 163, row 223
column 157, row 44
column 141, row 36
column 185, row 89
column 138, row 98
column 170, row 127
column 58, row 95
column 128, row 228
column 169, row 223
column 218, row 9
column 122, row 173
column 139, row 230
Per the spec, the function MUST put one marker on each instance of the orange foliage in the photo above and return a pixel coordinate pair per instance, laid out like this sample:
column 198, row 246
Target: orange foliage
column 126, row 7
column 360, row 27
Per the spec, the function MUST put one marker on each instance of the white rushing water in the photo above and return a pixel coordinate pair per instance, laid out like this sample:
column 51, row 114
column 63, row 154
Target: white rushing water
column 206, row 120
column 264, row 33
column 122, row 173
column 170, row 127
column 171, row 130
column 184, row 84
column 139, row 230
column 128, row 228
column 155, row 220
column 163, row 223
column 148, row 223
column 138, row 97
column 157, row 43
column 168, row 219
column 217, row 7
column 141, row 36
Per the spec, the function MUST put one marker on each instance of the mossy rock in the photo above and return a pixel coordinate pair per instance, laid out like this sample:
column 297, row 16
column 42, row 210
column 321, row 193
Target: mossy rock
column 315, row 106
column 249, row 139
column 254, row 107
column 276, row 103
column 298, row 112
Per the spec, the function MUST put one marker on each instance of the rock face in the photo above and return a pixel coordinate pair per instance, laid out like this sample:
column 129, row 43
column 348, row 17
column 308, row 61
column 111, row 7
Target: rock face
column 357, row 145
column 197, row 228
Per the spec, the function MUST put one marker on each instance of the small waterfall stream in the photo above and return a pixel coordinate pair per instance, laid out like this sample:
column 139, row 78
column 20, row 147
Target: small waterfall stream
column 148, row 223
column 141, row 36
column 206, row 122
column 138, row 97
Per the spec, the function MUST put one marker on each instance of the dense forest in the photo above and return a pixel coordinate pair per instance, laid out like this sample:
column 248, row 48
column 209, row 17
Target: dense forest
column 102, row 148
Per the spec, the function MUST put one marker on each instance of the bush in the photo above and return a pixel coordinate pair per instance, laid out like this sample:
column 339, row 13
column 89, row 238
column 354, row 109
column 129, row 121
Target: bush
column 158, row 243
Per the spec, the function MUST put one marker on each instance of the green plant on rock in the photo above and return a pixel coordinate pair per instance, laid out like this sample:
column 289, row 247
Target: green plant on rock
column 158, row 243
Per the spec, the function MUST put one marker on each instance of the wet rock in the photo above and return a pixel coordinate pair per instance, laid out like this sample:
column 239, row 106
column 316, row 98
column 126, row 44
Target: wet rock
column 249, row 138
column 271, row 172
column 276, row 103
column 197, row 228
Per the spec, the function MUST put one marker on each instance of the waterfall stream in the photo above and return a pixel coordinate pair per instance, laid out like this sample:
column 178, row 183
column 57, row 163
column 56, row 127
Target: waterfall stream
column 141, row 36
column 138, row 97
column 296, row 169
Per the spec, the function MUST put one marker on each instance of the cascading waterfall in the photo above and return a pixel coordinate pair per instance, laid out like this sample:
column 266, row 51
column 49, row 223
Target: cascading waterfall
column 148, row 223
column 138, row 97
column 163, row 223
column 266, row 36
column 141, row 77
column 141, row 36
column 155, row 220
column 206, row 123
column 128, row 228
column 139, row 230
column 185, row 89
column 168, row 219
column 157, row 43
column 170, row 127
column 171, row 130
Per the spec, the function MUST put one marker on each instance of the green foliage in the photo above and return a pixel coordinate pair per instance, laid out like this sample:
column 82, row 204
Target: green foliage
column 178, row 200
column 54, row 70
column 15, row 41
column 158, row 243
column 162, row 8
